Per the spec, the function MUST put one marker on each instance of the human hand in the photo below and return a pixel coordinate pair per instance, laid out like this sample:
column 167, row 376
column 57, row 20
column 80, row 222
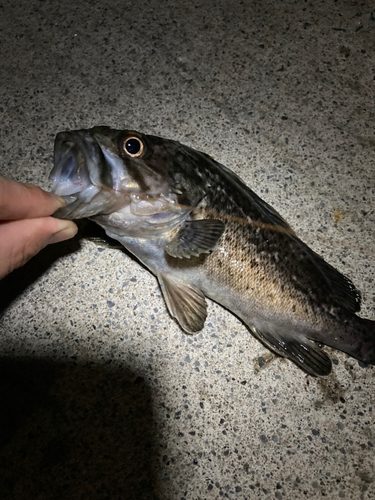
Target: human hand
column 25, row 225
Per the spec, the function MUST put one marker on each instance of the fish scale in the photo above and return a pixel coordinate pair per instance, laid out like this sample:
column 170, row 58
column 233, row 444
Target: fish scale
column 253, row 260
column 204, row 233
column 239, row 263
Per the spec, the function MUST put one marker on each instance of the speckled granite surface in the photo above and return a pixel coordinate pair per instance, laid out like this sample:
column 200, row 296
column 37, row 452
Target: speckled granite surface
column 102, row 395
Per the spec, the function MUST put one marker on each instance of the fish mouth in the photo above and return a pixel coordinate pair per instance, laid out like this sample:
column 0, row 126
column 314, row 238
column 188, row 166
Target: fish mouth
column 81, row 175
column 78, row 163
column 69, row 175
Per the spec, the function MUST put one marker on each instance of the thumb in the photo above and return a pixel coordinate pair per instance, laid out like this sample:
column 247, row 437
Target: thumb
column 22, row 239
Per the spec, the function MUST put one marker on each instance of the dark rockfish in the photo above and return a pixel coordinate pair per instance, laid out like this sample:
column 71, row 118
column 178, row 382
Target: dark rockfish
column 202, row 232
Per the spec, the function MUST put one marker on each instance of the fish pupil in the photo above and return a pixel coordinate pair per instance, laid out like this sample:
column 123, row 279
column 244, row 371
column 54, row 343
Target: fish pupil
column 133, row 146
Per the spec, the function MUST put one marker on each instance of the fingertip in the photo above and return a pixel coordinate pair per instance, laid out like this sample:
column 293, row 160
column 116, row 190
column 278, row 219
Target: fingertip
column 67, row 230
column 26, row 201
column 48, row 197
column 61, row 202
column 23, row 239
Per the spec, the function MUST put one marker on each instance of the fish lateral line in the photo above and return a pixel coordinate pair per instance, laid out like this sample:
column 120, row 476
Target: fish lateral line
column 230, row 218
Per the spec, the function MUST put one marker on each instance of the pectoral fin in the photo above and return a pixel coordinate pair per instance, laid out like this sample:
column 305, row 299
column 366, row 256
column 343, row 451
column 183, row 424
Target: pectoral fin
column 195, row 237
column 185, row 303
column 304, row 352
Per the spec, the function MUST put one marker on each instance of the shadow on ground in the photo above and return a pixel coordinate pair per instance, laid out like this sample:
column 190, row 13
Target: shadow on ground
column 74, row 432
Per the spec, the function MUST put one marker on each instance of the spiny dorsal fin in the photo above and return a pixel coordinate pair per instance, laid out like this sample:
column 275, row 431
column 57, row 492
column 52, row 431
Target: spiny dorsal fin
column 185, row 303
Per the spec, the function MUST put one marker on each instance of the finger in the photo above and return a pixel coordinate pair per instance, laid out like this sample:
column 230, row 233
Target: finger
column 26, row 201
column 21, row 240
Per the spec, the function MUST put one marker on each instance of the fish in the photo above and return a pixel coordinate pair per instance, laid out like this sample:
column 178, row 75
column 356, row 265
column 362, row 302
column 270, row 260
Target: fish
column 204, row 234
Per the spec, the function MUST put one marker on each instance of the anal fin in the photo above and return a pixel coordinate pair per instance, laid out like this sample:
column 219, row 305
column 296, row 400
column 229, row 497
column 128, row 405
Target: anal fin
column 302, row 351
column 185, row 303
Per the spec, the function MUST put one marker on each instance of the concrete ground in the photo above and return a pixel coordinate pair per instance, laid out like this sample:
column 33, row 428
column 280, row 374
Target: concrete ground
column 102, row 395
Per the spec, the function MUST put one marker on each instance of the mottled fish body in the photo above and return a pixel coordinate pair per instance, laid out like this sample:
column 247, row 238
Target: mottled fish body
column 204, row 233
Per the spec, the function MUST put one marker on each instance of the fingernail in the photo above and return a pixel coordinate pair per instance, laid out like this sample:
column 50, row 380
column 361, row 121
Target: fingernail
column 60, row 200
column 67, row 229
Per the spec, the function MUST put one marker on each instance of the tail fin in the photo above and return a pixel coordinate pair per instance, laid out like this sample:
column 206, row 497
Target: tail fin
column 356, row 338
column 350, row 334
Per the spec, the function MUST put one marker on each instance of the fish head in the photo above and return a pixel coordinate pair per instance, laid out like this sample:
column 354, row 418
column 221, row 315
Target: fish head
column 100, row 171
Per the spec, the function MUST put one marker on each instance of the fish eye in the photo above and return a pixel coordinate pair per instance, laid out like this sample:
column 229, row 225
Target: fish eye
column 133, row 146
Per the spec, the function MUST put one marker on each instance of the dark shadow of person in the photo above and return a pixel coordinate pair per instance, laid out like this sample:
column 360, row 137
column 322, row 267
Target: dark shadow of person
column 70, row 431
